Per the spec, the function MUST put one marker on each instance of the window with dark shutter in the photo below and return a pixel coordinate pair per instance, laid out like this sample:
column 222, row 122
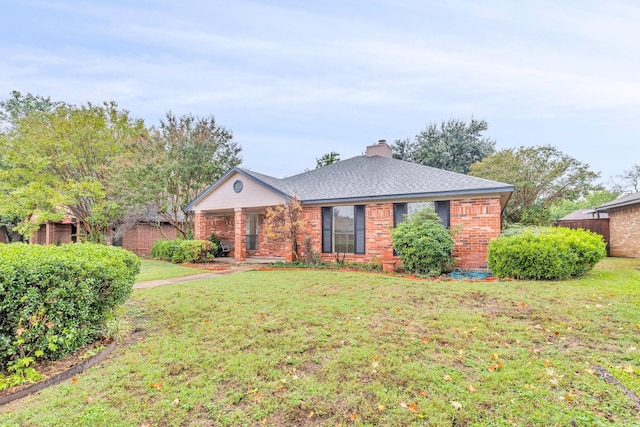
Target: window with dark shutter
column 359, row 222
column 442, row 209
column 399, row 211
column 327, row 220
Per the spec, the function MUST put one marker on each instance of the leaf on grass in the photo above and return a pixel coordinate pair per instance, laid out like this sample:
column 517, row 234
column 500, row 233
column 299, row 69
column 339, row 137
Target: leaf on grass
column 74, row 380
column 156, row 386
column 472, row 389
column 499, row 365
column 89, row 399
column 380, row 407
column 175, row 401
column 425, row 340
column 447, row 377
column 569, row 397
column 548, row 363
column 530, row 387
column 495, row 356
column 523, row 304
column 354, row 416
column 422, row 393
column 492, row 368
column 310, row 415
column 456, row 405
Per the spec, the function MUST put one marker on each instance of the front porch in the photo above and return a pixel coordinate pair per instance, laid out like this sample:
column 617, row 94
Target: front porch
column 242, row 231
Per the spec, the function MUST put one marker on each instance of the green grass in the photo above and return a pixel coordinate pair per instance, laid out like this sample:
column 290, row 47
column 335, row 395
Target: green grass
column 157, row 270
column 286, row 348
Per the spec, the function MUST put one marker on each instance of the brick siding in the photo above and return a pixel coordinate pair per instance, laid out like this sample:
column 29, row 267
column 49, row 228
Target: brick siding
column 624, row 229
column 474, row 221
column 140, row 238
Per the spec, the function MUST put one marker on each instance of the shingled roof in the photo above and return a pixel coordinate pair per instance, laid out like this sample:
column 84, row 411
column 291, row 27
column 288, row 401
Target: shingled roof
column 371, row 177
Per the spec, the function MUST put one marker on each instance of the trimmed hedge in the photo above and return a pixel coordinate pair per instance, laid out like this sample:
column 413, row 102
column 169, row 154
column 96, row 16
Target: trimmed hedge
column 547, row 253
column 423, row 244
column 55, row 299
column 180, row 251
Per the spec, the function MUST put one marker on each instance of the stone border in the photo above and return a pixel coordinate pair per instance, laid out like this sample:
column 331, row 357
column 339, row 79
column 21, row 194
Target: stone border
column 63, row 376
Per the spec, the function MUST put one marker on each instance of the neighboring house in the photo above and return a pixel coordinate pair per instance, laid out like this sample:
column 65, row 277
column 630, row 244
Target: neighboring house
column 350, row 207
column 588, row 219
column 138, row 237
column 624, row 225
column 56, row 233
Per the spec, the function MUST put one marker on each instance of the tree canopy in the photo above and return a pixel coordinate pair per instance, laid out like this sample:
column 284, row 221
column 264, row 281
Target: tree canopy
column 453, row 145
column 542, row 175
column 179, row 160
column 60, row 162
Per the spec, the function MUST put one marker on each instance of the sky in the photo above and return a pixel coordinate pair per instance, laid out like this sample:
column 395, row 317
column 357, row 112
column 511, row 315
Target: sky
column 294, row 80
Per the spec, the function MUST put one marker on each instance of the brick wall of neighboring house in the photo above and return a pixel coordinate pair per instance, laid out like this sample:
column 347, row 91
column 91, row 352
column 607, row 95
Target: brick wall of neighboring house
column 475, row 222
column 624, row 229
column 53, row 233
column 140, row 238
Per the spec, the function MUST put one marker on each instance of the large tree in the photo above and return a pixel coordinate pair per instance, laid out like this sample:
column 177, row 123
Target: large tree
column 17, row 107
column 453, row 145
column 62, row 162
column 542, row 175
column 181, row 158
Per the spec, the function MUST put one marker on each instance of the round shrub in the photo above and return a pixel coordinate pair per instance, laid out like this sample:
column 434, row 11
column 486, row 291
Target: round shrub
column 55, row 299
column 546, row 253
column 180, row 251
column 423, row 244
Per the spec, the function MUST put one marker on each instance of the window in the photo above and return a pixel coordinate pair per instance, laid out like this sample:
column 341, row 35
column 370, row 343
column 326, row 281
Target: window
column 402, row 209
column 343, row 229
column 252, row 232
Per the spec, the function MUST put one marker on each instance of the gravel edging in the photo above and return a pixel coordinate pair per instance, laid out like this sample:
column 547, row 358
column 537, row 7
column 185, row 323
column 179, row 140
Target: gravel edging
column 63, row 376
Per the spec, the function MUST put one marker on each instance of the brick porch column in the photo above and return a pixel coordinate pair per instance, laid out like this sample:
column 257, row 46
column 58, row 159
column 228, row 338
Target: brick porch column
column 240, row 240
column 199, row 226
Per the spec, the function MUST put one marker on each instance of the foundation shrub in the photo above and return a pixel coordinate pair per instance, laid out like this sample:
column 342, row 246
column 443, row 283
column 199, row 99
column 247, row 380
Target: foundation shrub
column 55, row 299
column 545, row 253
column 180, row 251
column 423, row 243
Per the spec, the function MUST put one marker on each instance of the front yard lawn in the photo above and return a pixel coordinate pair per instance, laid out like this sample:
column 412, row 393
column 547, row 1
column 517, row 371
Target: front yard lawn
column 285, row 348
column 151, row 269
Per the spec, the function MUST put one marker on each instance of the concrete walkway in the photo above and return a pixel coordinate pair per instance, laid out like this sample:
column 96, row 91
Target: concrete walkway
column 162, row 282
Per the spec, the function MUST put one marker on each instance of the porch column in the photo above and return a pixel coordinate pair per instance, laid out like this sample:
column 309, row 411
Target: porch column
column 199, row 226
column 240, row 240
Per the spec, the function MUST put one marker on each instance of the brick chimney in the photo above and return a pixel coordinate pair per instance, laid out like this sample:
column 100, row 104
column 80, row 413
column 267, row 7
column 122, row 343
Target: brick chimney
column 381, row 149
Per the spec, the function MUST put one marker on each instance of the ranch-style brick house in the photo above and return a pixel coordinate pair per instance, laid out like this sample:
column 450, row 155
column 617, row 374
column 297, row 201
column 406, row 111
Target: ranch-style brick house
column 350, row 207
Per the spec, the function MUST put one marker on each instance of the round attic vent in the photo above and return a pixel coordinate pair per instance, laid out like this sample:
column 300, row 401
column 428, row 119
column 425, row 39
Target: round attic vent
column 237, row 186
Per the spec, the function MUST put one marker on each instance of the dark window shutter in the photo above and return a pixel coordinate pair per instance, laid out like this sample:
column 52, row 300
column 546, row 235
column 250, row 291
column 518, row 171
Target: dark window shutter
column 399, row 211
column 442, row 209
column 327, row 220
column 359, row 229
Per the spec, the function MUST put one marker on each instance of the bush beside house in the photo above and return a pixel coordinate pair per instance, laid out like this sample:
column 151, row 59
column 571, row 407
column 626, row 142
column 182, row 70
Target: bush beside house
column 423, row 244
column 545, row 253
column 180, row 251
